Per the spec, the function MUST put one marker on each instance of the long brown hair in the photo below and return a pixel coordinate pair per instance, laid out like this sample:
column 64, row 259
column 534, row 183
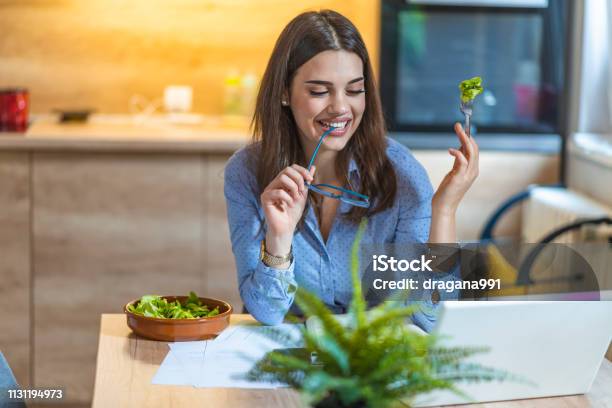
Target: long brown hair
column 275, row 132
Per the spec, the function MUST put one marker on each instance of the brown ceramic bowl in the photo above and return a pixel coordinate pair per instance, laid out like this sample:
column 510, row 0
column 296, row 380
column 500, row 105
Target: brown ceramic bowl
column 180, row 329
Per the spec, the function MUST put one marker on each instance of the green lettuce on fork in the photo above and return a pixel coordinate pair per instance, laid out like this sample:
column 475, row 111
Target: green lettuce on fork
column 470, row 88
column 159, row 307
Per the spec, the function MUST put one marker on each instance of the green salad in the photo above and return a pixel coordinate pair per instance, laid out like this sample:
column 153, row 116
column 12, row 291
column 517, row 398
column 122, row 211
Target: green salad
column 156, row 306
column 470, row 88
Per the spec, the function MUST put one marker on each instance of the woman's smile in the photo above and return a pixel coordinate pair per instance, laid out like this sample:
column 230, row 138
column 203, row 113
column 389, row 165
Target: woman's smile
column 341, row 125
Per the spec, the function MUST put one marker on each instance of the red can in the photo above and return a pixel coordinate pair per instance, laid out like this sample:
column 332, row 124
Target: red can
column 14, row 109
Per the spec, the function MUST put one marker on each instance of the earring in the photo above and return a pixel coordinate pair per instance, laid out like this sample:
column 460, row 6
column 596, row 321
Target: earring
column 284, row 103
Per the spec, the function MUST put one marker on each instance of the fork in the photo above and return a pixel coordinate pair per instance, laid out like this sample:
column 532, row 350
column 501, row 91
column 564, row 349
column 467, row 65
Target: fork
column 466, row 109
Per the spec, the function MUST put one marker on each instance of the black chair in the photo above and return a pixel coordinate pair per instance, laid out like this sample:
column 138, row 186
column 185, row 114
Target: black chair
column 487, row 232
column 524, row 270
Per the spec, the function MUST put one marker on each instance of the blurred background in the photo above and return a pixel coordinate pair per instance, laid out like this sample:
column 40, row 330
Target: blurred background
column 98, row 54
column 117, row 118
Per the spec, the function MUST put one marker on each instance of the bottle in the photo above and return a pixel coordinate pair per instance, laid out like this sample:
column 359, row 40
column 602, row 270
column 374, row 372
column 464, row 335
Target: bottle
column 232, row 99
column 248, row 88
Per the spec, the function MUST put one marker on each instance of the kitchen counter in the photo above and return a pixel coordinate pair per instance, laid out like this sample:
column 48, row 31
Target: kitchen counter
column 158, row 133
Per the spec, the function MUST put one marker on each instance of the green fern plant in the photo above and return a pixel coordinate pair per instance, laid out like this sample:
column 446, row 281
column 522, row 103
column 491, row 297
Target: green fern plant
column 374, row 361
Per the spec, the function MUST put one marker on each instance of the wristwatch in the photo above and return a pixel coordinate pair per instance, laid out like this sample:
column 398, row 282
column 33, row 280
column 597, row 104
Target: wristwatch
column 273, row 260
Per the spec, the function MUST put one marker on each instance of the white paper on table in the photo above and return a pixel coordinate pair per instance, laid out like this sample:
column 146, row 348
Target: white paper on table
column 235, row 351
column 190, row 355
column 254, row 339
column 226, row 370
column 190, row 346
column 171, row 372
column 224, row 361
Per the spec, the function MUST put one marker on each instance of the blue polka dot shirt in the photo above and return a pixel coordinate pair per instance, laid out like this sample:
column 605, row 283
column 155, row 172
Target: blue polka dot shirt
column 322, row 267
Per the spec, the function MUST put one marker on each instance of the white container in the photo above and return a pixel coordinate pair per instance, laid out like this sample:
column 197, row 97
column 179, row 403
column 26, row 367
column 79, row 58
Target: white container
column 178, row 98
column 589, row 165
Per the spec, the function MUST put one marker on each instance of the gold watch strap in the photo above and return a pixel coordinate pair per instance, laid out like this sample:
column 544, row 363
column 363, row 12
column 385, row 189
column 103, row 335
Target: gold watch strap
column 273, row 260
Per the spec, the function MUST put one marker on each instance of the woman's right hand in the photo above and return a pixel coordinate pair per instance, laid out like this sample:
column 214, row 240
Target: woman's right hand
column 283, row 201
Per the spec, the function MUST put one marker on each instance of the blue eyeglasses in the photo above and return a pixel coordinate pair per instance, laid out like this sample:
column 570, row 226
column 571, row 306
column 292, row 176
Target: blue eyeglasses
column 342, row 194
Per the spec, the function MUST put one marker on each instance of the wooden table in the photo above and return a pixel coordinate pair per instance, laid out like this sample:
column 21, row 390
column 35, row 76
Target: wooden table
column 126, row 364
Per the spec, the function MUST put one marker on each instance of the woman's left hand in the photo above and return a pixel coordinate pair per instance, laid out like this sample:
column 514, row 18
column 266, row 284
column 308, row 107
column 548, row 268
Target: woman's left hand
column 457, row 182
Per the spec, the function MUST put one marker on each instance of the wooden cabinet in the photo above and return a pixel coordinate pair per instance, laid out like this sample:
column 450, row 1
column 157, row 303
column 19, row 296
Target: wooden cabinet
column 220, row 278
column 108, row 228
column 15, row 281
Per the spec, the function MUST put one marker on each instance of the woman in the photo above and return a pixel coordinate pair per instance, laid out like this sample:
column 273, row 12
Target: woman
column 319, row 81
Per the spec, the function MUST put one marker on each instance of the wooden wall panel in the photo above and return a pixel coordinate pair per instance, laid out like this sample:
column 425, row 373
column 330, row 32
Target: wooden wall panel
column 220, row 268
column 15, row 263
column 98, row 54
column 108, row 228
